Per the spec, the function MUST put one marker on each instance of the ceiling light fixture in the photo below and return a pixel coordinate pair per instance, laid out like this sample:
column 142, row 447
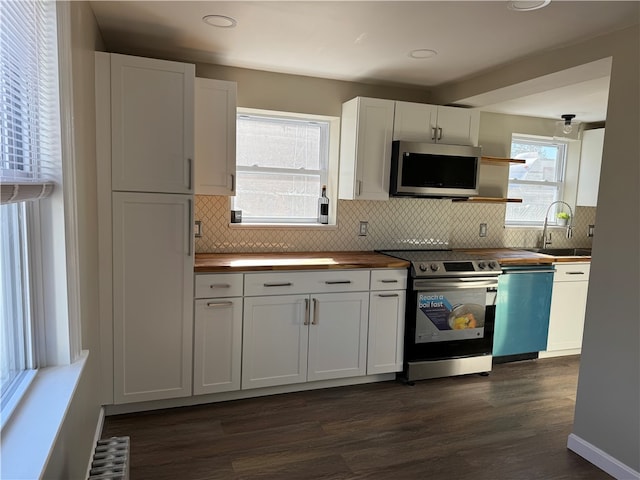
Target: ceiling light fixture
column 220, row 21
column 422, row 53
column 567, row 128
column 527, row 6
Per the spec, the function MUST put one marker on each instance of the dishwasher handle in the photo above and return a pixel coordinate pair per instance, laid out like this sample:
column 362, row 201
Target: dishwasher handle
column 512, row 272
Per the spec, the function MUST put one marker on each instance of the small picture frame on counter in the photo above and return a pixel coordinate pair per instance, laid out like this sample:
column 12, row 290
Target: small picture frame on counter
column 236, row 216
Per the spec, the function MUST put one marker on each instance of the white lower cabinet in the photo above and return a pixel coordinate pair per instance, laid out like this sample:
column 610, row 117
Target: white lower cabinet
column 275, row 341
column 217, row 344
column 386, row 321
column 307, row 336
column 338, row 335
column 152, row 296
column 568, row 306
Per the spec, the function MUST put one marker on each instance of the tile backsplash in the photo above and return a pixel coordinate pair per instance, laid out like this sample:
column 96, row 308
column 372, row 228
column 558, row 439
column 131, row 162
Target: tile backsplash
column 394, row 224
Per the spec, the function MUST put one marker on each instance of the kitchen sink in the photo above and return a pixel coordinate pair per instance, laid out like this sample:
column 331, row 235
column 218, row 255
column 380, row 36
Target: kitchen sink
column 562, row 252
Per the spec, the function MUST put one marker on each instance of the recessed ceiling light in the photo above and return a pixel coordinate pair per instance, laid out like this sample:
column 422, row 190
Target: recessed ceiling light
column 221, row 21
column 422, row 53
column 527, row 6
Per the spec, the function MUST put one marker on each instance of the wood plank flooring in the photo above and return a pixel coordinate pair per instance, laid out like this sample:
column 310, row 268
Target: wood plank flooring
column 510, row 425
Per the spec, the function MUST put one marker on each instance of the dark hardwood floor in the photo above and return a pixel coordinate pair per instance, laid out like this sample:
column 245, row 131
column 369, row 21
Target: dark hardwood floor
column 510, row 425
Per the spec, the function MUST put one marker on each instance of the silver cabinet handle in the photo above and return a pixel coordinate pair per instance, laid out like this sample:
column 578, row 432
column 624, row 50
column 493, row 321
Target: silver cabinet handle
column 358, row 187
column 284, row 284
column 219, row 304
column 219, row 285
column 190, row 163
column 316, row 310
column 306, row 311
column 575, row 273
column 189, row 228
column 433, row 133
column 233, row 182
column 388, row 295
column 337, row 282
column 439, row 133
column 388, row 281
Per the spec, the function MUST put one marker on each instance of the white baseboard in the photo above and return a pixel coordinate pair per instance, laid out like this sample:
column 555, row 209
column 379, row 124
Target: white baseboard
column 96, row 437
column 601, row 459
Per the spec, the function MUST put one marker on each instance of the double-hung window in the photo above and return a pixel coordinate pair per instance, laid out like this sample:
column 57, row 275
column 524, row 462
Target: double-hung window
column 538, row 182
column 282, row 162
column 29, row 162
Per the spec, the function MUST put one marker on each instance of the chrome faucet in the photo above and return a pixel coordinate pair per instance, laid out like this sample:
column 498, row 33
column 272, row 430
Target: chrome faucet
column 546, row 241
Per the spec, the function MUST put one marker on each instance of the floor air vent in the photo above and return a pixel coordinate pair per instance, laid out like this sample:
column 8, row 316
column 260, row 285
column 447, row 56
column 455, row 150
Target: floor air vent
column 111, row 459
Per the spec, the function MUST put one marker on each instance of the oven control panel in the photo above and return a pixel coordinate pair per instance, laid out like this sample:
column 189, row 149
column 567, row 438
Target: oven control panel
column 455, row 268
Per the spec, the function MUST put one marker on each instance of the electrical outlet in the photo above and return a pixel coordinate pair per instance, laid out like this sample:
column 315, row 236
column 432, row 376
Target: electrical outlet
column 364, row 229
column 197, row 229
column 483, row 229
column 591, row 229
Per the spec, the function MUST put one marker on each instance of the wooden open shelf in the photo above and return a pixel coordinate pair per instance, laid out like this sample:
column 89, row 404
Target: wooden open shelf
column 487, row 160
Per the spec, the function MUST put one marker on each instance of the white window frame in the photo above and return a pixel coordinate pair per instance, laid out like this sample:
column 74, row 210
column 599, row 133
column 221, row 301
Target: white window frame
column 329, row 177
column 561, row 173
column 51, row 249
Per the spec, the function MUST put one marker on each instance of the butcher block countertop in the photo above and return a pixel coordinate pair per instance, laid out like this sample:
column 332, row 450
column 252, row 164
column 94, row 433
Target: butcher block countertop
column 512, row 256
column 237, row 262
column 247, row 262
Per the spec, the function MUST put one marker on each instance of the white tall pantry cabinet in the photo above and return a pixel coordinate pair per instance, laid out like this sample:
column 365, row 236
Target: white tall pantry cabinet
column 145, row 146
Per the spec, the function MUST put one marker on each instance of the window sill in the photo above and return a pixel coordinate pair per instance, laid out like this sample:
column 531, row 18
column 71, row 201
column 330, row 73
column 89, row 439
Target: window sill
column 30, row 434
column 284, row 226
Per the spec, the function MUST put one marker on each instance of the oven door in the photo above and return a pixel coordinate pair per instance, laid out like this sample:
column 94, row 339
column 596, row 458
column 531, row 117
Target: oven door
column 451, row 317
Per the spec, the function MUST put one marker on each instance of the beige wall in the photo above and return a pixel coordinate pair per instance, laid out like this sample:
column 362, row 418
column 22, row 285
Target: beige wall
column 74, row 443
column 607, row 414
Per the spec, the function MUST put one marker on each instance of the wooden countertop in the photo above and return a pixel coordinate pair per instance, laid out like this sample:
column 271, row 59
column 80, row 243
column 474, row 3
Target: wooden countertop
column 513, row 256
column 237, row 262
column 244, row 262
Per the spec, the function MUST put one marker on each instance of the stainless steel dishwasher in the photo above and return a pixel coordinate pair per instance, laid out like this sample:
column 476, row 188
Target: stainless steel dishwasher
column 522, row 312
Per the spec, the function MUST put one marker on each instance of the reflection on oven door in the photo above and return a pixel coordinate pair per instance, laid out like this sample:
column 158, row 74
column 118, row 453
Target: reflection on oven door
column 448, row 316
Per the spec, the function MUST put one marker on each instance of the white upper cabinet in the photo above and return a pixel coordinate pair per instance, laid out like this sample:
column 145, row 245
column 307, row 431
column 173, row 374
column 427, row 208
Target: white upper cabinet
column 215, row 137
column 590, row 162
column 152, row 125
column 417, row 122
column 365, row 149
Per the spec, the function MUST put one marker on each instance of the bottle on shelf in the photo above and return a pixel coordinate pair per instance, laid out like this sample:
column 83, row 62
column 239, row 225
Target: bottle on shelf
column 323, row 206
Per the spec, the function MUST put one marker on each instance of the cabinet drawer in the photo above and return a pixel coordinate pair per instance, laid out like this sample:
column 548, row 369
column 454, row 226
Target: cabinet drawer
column 212, row 285
column 571, row 272
column 294, row 282
column 389, row 279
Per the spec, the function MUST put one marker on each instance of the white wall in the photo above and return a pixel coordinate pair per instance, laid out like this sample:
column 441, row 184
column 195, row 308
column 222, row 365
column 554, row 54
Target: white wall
column 74, row 443
column 607, row 409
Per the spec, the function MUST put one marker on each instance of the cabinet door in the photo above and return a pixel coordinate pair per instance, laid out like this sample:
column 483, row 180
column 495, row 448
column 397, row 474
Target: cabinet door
column 215, row 137
column 458, row 126
column 590, row 163
column 566, row 321
column 152, row 296
column 365, row 149
column 217, row 345
column 415, row 122
column 152, row 125
column 274, row 340
column 338, row 335
column 386, row 332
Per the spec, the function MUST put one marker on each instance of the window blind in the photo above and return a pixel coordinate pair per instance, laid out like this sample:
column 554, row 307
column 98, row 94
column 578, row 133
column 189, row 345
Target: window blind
column 29, row 112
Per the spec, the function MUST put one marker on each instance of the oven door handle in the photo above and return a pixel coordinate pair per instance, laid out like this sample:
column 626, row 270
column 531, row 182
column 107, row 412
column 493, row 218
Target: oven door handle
column 455, row 284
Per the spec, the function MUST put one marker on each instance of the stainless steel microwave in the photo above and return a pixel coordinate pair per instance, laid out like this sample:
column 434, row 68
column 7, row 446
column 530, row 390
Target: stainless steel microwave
column 434, row 170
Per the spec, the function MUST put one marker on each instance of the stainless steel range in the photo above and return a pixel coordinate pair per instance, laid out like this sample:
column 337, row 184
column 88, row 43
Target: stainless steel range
column 450, row 313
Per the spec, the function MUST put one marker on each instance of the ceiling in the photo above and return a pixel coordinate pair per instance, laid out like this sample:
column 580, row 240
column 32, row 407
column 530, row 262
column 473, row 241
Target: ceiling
column 370, row 41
